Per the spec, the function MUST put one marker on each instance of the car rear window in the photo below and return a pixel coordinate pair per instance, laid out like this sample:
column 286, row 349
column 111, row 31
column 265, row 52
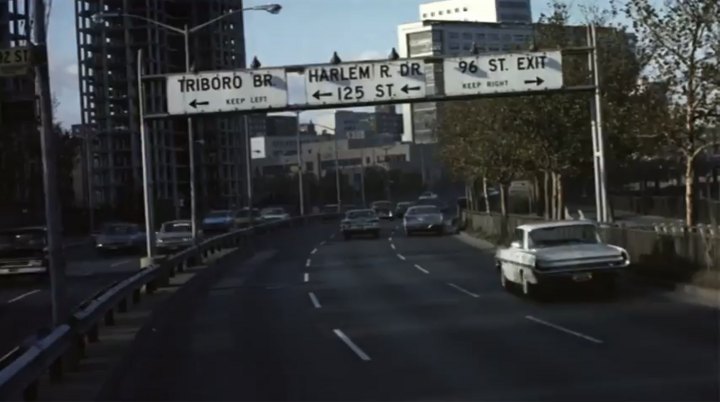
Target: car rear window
column 177, row 227
column 361, row 214
column 423, row 210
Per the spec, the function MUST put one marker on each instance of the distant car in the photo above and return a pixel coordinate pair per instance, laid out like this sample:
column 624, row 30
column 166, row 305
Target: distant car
column 423, row 218
column 428, row 195
column 174, row 236
column 274, row 214
column 218, row 222
column 329, row 211
column 401, row 207
column 359, row 222
column 246, row 216
column 571, row 252
column 23, row 251
column 125, row 237
column 383, row 209
column 443, row 207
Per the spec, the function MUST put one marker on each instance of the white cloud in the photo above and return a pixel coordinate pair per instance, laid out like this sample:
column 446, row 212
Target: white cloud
column 72, row 69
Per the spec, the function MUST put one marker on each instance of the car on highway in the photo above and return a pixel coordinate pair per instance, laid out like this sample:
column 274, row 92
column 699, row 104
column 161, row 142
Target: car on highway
column 543, row 255
column 423, row 219
column 274, row 214
column 23, row 251
column 120, row 237
column 401, row 208
column 174, row 236
column 383, row 209
column 218, row 222
column 428, row 195
column 246, row 216
column 360, row 222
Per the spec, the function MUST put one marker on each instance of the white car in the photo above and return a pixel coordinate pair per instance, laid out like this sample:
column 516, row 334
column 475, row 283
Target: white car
column 174, row 236
column 571, row 252
column 423, row 218
column 274, row 214
column 428, row 195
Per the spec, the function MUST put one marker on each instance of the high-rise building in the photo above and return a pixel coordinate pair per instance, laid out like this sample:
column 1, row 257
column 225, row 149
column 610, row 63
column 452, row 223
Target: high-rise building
column 477, row 11
column 107, row 58
column 20, row 163
column 450, row 38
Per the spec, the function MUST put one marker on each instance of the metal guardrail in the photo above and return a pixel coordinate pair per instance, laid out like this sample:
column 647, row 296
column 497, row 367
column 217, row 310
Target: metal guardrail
column 26, row 365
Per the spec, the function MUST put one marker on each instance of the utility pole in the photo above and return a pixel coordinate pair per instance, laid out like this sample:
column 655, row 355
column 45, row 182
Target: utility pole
column 48, row 140
column 300, row 168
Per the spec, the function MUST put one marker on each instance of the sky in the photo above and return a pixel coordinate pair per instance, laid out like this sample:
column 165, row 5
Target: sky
column 306, row 31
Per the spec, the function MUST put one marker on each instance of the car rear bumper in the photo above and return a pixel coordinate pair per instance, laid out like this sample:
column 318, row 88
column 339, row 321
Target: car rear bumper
column 430, row 227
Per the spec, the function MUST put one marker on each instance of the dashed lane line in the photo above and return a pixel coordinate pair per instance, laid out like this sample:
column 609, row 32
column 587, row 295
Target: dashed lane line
column 314, row 300
column 22, row 296
column 463, row 290
column 308, row 262
column 402, row 257
column 392, row 246
column 421, row 269
column 306, row 277
column 315, row 250
column 355, row 348
column 563, row 329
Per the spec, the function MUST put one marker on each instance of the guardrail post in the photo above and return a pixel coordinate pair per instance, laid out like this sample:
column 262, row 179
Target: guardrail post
column 93, row 334
column 150, row 287
column 136, row 295
column 31, row 392
column 56, row 370
column 123, row 306
column 181, row 267
column 110, row 317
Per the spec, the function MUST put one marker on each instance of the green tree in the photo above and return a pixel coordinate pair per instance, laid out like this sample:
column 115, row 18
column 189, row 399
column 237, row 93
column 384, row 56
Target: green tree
column 680, row 41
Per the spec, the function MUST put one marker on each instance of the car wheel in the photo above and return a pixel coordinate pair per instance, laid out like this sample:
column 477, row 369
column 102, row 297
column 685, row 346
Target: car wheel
column 529, row 290
column 504, row 282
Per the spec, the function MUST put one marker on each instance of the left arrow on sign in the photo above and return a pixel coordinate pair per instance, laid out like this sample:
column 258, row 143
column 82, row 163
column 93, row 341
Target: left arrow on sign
column 407, row 88
column 195, row 103
column 317, row 95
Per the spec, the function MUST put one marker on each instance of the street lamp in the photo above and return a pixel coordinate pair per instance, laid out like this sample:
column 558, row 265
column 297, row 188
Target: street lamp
column 185, row 31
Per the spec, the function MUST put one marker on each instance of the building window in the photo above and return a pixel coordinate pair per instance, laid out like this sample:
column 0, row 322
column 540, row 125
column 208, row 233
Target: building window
column 454, row 35
column 440, row 13
column 481, row 36
column 432, row 14
column 465, row 9
column 454, row 46
column 519, row 38
column 457, row 10
column 467, row 36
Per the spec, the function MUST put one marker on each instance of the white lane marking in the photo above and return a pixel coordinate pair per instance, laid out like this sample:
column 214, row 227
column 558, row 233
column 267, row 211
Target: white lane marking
column 467, row 292
column 390, row 239
column 22, row 296
column 314, row 300
column 313, row 251
column 332, row 236
column 421, row 269
column 355, row 348
column 306, row 277
column 563, row 329
column 402, row 257
column 120, row 263
column 322, row 243
column 392, row 246
column 308, row 262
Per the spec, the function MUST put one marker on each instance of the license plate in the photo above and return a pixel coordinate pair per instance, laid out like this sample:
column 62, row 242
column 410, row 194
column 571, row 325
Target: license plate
column 584, row 277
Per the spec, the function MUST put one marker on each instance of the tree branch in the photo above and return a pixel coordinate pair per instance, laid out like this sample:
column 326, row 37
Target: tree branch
column 704, row 147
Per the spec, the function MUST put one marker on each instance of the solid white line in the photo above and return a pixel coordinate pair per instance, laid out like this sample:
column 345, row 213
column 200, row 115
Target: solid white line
column 22, row 296
column 392, row 246
column 119, row 263
column 402, row 257
column 314, row 300
column 567, row 331
column 313, row 251
column 355, row 348
column 421, row 269
column 306, row 277
column 467, row 292
column 308, row 262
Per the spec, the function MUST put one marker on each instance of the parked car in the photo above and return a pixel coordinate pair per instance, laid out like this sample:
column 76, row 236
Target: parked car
column 428, row 195
column 218, row 222
column 570, row 252
column 401, row 208
column 120, row 237
column 174, row 236
column 274, row 214
column 423, row 218
column 383, row 209
column 23, row 251
column 360, row 222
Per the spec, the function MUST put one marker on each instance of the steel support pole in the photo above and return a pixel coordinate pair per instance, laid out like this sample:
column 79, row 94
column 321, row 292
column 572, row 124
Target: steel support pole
column 600, row 214
column 337, row 176
column 600, row 134
column 191, row 147
column 146, row 167
column 300, row 169
column 248, row 167
column 48, row 141
column 362, row 178
column 89, row 180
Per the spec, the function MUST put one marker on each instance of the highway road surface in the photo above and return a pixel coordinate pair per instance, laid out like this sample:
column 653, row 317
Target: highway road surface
column 25, row 302
column 314, row 317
